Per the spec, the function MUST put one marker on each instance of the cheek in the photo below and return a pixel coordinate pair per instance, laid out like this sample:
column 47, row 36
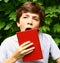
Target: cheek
column 22, row 24
column 37, row 24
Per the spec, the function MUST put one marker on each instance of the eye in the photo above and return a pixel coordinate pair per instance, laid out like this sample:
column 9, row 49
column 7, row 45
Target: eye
column 25, row 17
column 36, row 19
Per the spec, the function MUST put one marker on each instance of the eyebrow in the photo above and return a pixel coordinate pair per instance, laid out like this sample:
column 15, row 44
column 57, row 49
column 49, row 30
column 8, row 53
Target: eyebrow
column 33, row 16
column 36, row 17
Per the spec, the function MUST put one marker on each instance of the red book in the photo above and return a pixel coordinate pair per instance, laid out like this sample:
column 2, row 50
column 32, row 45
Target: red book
column 31, row 35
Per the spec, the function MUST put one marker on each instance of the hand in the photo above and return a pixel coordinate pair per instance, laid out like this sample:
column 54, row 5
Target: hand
column 23, row 50
column 58, row 60
column 20, row 52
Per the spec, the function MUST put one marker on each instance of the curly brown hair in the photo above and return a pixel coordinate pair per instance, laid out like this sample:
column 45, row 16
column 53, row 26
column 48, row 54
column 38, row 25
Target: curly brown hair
column 33, row 8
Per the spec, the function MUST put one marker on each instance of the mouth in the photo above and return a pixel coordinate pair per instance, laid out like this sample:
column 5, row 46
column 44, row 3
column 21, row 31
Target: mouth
column 28, row 28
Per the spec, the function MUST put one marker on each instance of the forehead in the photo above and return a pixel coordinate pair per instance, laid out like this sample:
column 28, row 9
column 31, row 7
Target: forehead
column 30, row 14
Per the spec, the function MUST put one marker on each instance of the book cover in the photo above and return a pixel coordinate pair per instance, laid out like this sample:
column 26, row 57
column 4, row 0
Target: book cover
column 31, row 35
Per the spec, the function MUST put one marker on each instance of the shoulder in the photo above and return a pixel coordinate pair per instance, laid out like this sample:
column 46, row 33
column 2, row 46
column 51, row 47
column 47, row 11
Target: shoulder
column 45, row 35
column 9, row 40
column 46, row 38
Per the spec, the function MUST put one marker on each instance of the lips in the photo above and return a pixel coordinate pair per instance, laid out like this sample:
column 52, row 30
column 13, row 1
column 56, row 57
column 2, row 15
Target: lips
column 28, row 28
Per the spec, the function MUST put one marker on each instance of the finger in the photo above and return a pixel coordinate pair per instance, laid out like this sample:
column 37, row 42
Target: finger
column 25, row 43
column 27, row 51
column 27, row 46
column 32, row 48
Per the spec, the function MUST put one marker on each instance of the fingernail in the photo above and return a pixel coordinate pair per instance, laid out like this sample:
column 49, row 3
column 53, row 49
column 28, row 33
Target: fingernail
column 32, row 43
column 33, row 47
column 28, row 41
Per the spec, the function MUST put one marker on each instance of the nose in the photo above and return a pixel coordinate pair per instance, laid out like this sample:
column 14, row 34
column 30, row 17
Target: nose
column 30, row 22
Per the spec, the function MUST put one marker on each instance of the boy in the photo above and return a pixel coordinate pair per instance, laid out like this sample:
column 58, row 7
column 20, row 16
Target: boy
column 29, row 16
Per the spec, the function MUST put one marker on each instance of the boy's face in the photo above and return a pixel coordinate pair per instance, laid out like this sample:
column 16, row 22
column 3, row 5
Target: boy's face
column 28, row 21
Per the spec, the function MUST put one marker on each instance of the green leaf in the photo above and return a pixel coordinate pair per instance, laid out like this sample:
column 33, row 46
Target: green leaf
column 0, row 0
column 58, row 10
column 40, row 3
column 12, row 16
column 50, row 10
column 34, row 0
column 48, row 21
column 57, row 40
column 52, row 15
column 22, row 1
column 6, row 1
column 9, row 8
column 8, row 26
column 44, row 29
column 56, row 28
column 2, row 24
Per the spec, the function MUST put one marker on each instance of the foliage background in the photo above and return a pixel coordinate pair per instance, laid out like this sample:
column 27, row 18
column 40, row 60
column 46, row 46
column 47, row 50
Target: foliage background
column 51, row 25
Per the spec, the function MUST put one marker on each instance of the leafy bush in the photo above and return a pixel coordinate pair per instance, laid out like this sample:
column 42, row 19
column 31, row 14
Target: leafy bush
column 8, row 18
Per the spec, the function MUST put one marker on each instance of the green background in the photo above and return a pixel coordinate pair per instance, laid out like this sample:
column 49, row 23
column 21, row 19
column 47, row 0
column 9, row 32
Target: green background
column 51, row 25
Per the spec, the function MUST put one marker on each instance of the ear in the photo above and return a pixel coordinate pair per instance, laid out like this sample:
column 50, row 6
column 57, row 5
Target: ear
column 18, row 24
